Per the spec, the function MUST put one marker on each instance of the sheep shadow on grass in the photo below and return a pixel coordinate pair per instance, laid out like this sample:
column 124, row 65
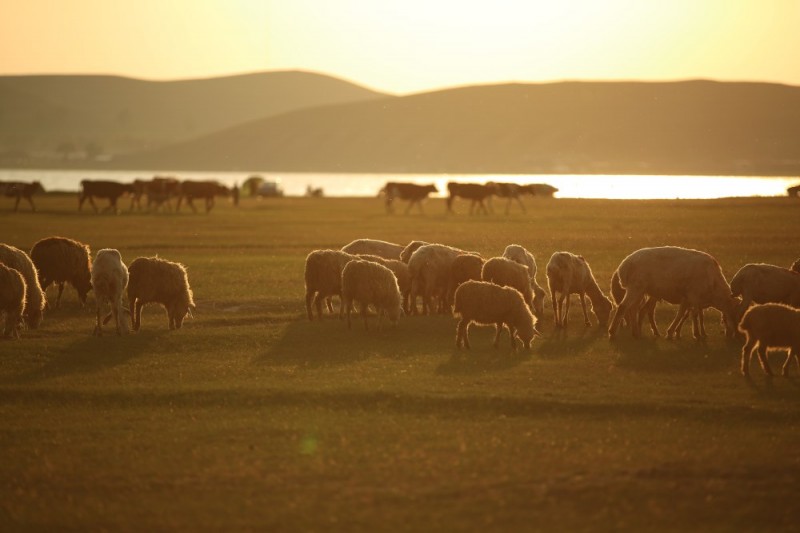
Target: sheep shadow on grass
column 329, row 342
column 686, row 355
column 90, row 355
column 560, row 343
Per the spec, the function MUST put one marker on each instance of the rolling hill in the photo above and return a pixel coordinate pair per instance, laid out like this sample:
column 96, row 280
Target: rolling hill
column 689, row 127
column 39, row 114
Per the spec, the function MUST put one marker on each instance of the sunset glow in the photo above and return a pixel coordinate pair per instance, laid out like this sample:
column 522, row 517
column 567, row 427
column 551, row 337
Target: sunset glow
column 407, row 46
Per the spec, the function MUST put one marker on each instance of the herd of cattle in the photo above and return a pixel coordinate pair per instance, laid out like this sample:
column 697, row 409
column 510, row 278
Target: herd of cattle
column 159, row 193
column 479, row 194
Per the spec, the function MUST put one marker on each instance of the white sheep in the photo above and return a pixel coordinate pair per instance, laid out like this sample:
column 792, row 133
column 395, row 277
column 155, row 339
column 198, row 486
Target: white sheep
column 34, row 295
column 520, row 255
column 12, row 300
column 156, row 280
column 508, row 273
column 109, row 280
column 690, row 277
column 486, row 304
column 568, row 274
column 770, row 327
column 368, row 282
column 762, row 283
column 60, row 260
column 400, row 271
column 387, row 250
column 323, row 278
column 430, row 268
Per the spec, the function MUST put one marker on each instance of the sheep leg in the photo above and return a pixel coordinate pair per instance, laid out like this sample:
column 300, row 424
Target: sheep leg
column 700, row 323
column 762, row 358
column 318, row 304
column 309, row 300
column 792, row 355
column 380, row 319
column 60, row 291
column 586, row 321
column 649, row 309
column 629, row 301
column 191, row 204
column 364, row 308
column 508, row 205
column 555, row 304
column 97, row 331
column 565, row 309
column 498, row 329
column 461, row 334
column 747, row 352
column 138, row 305
column 512, row 331
column 673, row 326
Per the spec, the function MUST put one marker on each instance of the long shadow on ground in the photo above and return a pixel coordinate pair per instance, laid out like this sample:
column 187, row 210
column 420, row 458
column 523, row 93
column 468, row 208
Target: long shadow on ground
column 684, row 355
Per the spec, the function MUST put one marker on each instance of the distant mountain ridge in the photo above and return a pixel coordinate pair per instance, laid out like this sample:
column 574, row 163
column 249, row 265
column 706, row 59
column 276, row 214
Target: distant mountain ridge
column 117, row 114
column 687, row 127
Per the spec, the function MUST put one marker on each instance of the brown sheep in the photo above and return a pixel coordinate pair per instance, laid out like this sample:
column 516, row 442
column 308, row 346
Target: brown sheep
column 568, row 274
column 508, row 273
column 34, row 295
column 465, row 267
column 770, row 327
column 12, row 300
column 486, row 303
column 60, row 260
column 368, row 282
column 323, row 278
column 156, row 280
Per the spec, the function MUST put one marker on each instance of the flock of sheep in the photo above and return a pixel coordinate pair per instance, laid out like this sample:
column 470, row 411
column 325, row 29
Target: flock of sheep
column 762, row 301
column 24, row 278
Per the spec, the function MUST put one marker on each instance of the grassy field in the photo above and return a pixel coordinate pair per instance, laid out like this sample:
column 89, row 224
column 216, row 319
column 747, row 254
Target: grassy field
column 253, row 418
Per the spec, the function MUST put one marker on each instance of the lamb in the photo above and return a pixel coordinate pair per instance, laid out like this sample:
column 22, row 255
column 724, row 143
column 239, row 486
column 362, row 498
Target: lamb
column 12, row 299
column 568, row 274
column 387, row 250
column 690, row 277
column 508, row 273
column 368, row 283
column 430, row 274
column 520, row 255
column 770, row 326
column 323, row 277
column 34, row 295
column 156, row 280
column 109, row 279
column 60, row 260
column 762, row 283
column 486, row 303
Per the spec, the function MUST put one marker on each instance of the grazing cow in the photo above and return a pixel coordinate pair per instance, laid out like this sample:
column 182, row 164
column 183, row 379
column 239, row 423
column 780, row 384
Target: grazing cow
column 406, row 191
column 477, row 192
column 103, row 189
column 19, row 190
column 207, row 190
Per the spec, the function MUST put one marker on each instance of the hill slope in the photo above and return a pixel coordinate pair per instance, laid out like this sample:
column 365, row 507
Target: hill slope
column 37, row 113
column 695, row 127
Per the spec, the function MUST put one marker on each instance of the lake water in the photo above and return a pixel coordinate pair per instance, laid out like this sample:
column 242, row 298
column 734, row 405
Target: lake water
column 569, row 186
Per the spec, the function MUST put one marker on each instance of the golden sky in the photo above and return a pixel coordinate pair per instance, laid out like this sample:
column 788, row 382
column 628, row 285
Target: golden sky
column 407, row 45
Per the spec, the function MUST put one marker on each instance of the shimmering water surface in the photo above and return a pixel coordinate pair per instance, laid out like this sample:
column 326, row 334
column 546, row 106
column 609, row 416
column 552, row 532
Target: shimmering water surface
column 569, row 186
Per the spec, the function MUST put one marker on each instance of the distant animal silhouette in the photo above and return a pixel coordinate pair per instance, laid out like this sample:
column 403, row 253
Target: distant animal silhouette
column 19, row 190
column 476, row 192
column 406, row 191
column 103, row 189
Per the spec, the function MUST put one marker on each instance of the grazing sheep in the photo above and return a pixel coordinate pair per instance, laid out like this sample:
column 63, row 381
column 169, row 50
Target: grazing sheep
column 109, row 279
column 508, row 273
column 323, row 277
column 400, row 271
column 486, row 303
column 60, row 260
column 387, row 250
column 155, row 280
column 12, row 299
column 770, row 326
column 367, row 282
column 465, row 267
column 430, row 268
column 34, row 295
column 408, row 251
column 520, row 255
column 568, row 274
column 648, row 308
column 762, row 283
column 690, row 277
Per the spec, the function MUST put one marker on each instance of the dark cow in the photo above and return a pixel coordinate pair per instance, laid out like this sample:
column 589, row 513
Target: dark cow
column 511, row 192
column 91, row 189
column 542, row 189
column 793, row 191
column 477, row 192
column 159, row 191
column 207, row 190
column 19, row 190
column 406, row 191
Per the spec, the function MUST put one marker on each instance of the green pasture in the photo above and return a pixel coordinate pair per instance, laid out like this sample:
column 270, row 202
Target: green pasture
column 253, row 418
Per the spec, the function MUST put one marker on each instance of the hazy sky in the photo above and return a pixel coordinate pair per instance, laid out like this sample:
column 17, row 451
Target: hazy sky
column 407, row 45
